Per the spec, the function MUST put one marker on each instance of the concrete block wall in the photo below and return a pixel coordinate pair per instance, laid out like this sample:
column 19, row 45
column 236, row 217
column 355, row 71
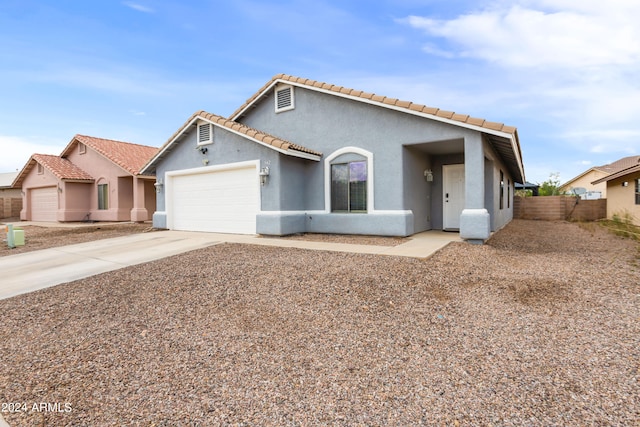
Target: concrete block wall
column 10, row 207
column 554, row 208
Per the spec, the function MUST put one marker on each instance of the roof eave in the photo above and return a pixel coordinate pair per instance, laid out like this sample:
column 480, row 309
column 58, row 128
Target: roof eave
column 513, row 137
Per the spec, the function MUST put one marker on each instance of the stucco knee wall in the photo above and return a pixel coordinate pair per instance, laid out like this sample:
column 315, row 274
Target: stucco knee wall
column 380, row 224
column 160, row 220
column 475, row 225
column 376, row 224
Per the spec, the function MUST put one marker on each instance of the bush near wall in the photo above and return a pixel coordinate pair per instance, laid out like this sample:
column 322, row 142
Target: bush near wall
column 554, row 208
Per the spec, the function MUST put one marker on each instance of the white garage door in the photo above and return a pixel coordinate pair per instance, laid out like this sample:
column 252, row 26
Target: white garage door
column 221, row 200
column 44, row 204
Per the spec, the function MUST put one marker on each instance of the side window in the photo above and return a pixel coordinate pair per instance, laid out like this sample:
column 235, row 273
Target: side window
column 103, row 196
column 501, row 190
column 637, row 191
column 349, row 187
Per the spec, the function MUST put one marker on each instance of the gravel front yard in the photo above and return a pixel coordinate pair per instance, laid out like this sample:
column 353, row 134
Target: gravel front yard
column 539, row 327
column 37, row 237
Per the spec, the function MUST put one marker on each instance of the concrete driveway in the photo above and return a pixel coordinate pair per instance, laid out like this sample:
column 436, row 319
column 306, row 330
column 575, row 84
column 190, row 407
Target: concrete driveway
column 30, row 271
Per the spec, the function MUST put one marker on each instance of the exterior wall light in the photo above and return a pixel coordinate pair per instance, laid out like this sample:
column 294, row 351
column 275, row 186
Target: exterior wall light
column 428, row 175
column 625, row 184
column 264, row 173
column 158, row 184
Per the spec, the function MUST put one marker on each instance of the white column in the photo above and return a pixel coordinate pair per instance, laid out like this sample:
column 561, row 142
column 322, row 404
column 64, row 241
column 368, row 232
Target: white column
column 475, row 222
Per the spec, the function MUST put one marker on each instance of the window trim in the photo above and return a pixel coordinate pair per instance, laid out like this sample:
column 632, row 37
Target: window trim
column 368, row 156
column 82, row 148
column 281, row 88
column 40, row 169
column 637, row 193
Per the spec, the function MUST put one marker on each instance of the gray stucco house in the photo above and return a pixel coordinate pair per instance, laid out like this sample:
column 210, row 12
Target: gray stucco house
column 306, row 156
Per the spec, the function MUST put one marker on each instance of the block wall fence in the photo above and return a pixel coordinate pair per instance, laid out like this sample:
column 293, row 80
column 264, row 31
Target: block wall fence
column 554, row 208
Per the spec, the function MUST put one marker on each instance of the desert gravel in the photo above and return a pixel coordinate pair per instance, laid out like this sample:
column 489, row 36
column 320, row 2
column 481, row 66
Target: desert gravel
column 38, row 237
column 540, row 327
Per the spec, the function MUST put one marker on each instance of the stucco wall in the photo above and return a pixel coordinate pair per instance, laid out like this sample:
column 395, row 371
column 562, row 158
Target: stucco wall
column 75, row 201
column 327, row 123
column 585, row 182
column 231, row 148
column 621, row 199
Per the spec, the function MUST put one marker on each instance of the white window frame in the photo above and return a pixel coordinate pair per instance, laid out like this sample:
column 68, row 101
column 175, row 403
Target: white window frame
column 288, row 107
column 81, row 148
column 370, row 175
column 208, row 141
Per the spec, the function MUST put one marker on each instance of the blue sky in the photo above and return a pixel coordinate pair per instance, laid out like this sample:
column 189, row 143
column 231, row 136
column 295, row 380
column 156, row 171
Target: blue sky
column 566, row 73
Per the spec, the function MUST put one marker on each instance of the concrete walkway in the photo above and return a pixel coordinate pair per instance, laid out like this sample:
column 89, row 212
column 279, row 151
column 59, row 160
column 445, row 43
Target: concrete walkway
column 30, row 271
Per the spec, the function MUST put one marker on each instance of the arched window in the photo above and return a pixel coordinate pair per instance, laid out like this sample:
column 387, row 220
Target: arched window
column 349, row 174
column 103, row 195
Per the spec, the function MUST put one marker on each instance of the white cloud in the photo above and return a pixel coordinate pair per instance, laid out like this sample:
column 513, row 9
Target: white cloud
column 16, row 151
column 526, row 35
column 138, row 7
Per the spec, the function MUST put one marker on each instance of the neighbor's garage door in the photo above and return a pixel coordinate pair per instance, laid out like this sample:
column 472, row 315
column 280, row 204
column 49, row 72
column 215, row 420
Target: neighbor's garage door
column 222, row 201
column 44, row 204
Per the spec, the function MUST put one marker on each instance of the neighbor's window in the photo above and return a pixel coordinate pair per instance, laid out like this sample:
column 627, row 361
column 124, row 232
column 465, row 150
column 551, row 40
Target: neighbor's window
column 103, row 196
column 349, row 187
column 501, row 190
column 82, row 148
column 508, row 193
column 638, row 191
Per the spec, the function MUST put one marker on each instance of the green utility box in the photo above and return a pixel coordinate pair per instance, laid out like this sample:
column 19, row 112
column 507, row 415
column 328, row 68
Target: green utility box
column 15, row 236
column 18, row 237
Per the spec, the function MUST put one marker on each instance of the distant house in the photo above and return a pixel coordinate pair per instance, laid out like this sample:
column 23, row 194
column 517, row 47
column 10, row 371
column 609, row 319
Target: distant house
column 528, row 186
column 10, row 197
column 587, row 178
column 306, row 156
column 623, row 192
column 93, row 179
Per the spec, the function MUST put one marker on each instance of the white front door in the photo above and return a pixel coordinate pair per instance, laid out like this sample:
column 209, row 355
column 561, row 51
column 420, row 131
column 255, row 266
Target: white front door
column 453, row 195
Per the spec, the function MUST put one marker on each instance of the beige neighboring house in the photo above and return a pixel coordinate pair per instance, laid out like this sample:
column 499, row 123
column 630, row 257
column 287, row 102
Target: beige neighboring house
column 623, row 192
column 94, row 179
column 588, row 178
column 10, row 198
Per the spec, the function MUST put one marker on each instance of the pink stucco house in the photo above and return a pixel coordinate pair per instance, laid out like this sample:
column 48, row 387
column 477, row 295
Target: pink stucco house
column 93, row 179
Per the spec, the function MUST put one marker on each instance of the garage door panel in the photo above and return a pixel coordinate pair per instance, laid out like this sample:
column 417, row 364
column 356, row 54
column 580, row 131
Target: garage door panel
column 44, row 204
column 224, row 201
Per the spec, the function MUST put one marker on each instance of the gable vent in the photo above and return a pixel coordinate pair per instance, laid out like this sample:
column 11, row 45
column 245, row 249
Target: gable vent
column 284, row 99
column 204, row 133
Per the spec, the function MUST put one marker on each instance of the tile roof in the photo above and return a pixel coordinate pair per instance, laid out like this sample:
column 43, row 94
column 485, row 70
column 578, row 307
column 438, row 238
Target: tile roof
column 254, row 134
column 382, row 100
column 619, row 165
column 631, row 165
column 61, row 168
column 510, row 150
column 130, row 157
